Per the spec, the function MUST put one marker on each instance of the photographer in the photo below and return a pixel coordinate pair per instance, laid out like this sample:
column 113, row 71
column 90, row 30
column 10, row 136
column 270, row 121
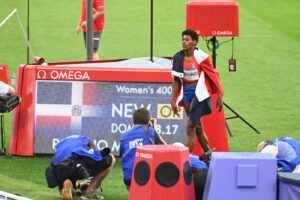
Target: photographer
column 287, row 153
column 143, row 133
column 6, row 89
column 76, row 158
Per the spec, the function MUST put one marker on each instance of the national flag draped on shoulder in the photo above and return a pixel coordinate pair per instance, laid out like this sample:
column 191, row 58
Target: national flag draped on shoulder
column 206, row 86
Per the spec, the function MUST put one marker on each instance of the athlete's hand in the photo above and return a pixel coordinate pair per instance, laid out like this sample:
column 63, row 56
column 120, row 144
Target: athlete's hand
column 83, row 24
column 175, row 108
column 78, row 29
column 219, row 103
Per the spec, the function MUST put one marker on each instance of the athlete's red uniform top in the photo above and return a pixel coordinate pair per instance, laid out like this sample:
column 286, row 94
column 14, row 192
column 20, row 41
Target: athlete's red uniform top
column 98, row 5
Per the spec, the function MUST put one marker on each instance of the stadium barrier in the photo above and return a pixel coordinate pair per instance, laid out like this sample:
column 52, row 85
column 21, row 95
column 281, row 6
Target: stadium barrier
column 9, row 196
column 236, row 176
column 289, row 185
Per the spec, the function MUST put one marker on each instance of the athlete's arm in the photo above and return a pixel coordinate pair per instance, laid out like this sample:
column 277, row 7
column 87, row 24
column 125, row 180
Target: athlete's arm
column 11, row 90
column 175, row 88
column 97, row 15
column 219, row 103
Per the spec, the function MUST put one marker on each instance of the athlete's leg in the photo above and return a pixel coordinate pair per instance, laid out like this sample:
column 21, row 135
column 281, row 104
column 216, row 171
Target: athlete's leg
column 202, row 137
column 190, row 130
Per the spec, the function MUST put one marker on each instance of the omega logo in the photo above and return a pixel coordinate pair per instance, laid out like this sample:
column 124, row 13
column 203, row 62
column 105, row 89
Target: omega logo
column 69, row 75
column 41, row 74
column 65, row 75
column 221, row 32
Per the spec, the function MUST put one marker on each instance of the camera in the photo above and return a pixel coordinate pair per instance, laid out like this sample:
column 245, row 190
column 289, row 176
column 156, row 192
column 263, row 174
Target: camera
column 39, row 60
column 152, row 121
column 105, row 151
column 9, row 102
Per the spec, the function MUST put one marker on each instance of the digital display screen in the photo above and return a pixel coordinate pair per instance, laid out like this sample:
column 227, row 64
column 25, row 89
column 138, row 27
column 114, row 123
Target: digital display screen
column 101, row 111
column 218, row 18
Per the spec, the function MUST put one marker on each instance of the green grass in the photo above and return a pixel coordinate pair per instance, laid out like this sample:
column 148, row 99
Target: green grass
column 25, row 176
column 264, row 90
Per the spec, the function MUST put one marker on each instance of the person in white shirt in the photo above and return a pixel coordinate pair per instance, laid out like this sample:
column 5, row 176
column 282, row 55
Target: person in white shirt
column 6, row 89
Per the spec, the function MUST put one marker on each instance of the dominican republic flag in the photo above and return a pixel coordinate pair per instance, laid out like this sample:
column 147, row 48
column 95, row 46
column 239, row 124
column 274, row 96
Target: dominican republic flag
column 206, row 86
column 65, row 108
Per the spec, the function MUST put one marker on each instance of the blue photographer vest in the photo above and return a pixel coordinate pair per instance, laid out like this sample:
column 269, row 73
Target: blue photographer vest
column 289, row 156
column 129, row 142
column 72, row 147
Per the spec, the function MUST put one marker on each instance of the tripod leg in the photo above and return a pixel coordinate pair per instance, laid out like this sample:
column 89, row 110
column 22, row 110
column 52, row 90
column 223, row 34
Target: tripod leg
column 228, row 129
column 3, row 149
column 2, row 131
column 214, row 58
column 241, row 118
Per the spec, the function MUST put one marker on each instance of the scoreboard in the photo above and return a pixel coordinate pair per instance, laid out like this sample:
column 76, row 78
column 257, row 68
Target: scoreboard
column 97, row 100
column 218, row 18
column 100, row 110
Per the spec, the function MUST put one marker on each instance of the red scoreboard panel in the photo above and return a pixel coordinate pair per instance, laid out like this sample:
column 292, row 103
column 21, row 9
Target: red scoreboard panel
column 213, row 17
column 97, row 100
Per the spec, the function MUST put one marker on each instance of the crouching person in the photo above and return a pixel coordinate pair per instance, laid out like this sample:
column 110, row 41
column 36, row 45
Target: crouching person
column 6, row 89
column 143, row 133
column 287, row 153
column 77, row 158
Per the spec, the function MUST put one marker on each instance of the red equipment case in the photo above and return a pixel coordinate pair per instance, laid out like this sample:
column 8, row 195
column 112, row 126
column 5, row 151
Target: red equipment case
column 4, row 77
